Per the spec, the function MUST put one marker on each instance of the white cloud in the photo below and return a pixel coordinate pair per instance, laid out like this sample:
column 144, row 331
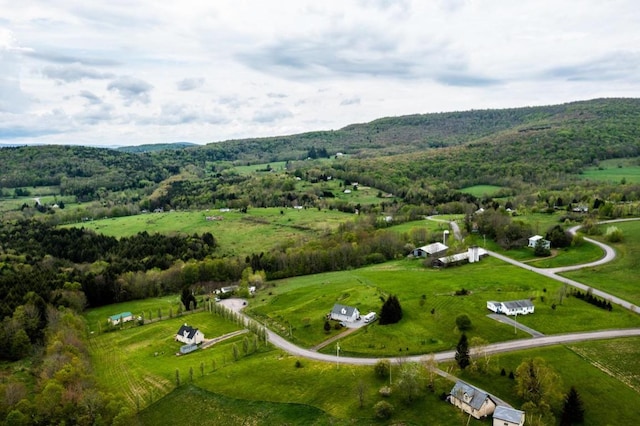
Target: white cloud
column 85, row 72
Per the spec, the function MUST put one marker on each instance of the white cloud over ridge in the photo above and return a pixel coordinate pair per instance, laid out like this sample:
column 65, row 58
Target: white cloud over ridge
column 205, row 71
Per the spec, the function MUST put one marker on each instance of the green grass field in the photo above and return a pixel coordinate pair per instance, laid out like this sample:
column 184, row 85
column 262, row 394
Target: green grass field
column 622, row 276
column 298, row 306
column 237, row 233
column 615, row 170
column 481, row 190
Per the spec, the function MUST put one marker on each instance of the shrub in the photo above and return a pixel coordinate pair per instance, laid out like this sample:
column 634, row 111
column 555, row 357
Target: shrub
column 613, row 234
column 383, row 410
column 382, row 368
column 385, row 391
column 463, row 322
column 298, row 363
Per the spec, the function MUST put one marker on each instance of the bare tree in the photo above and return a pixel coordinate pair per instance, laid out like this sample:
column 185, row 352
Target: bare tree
column 361, row 390
column 431, row 365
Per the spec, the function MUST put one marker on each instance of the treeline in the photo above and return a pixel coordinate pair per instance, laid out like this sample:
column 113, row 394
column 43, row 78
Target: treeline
column 590, row 298
column 43, row 258
column 63, row 389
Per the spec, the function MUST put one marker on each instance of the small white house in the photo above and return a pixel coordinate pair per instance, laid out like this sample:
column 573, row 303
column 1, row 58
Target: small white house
column 507, row 416
column 533, row 242
column 189, row 335
column 472, row 400
column 514, row 307
column 344, row 313
column 431, row 250
column 120, row 318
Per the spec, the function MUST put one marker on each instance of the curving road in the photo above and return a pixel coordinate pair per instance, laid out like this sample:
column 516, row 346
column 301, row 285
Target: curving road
column 514, row 345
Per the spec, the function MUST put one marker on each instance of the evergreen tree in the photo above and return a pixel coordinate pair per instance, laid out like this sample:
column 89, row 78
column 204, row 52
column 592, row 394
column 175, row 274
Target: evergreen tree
column 391, row 311
column 462, row 352
column 573, row 410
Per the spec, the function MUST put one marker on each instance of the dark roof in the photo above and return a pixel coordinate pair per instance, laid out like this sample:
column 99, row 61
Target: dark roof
column 339, row 309
column 187, row 331
column 468, row 394
column 508, row 414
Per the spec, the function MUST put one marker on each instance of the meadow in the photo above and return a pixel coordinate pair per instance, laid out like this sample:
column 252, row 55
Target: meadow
column 615, row 170
column 621, row 277
column 236, row 233
column 481, row 190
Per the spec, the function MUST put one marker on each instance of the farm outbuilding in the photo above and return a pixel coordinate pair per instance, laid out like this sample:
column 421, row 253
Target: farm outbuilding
column 344, row 313
column 431, row 250
column 536, row 239
column 120, row 318
column 507, row 416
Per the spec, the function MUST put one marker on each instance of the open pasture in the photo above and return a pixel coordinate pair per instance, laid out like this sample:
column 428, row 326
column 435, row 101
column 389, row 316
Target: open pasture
column 298, row 306
column 621, row 277
column 482, row 190
column 236, row 233
column 614, row 170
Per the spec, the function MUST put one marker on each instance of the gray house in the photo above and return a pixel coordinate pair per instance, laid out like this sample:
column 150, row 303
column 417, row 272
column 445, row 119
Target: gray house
column 506, row 416
column 472, row 400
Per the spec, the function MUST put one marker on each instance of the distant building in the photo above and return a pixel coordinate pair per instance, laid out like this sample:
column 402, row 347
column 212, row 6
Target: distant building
column 472, row 255
column 430, row 250
column 120, row 318
column 533, row 242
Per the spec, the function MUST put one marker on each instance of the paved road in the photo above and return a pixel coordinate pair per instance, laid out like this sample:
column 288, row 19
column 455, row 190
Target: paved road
column 513, row 345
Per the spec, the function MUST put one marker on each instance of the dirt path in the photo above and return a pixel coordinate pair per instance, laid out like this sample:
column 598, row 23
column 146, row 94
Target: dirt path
column 332, row 339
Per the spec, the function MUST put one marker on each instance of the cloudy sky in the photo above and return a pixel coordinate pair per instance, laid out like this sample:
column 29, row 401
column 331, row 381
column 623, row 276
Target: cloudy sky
column 128, row 72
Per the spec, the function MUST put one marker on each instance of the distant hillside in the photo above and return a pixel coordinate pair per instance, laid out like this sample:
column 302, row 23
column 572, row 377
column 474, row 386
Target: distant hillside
column 156, row 147
column 460, row 148
column 411, row 133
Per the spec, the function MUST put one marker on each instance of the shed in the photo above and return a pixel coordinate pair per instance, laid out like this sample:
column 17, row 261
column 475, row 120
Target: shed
column 507, row 416
column 120, row 318
column 344, row 313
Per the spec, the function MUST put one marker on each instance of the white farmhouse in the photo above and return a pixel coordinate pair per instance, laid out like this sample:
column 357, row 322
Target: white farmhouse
column 472, row 400
column 533, row 242
column 189, row 335
column 344, row 313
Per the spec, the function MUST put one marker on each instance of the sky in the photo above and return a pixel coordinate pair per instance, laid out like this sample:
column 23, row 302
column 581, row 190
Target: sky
column 131, row 72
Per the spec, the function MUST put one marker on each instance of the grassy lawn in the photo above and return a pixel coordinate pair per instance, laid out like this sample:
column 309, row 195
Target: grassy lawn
column 278, row 166
column 140, row 364
column 298, row 306
column 605, row 373
column 621, row 277
column 237, row 233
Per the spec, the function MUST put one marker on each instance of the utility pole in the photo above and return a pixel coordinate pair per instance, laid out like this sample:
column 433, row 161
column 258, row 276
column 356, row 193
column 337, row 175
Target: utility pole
column 515, row 325
column 337, row 355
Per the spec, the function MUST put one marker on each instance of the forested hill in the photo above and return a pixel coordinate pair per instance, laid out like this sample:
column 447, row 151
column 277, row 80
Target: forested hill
column 575, row 134
column 395, row 135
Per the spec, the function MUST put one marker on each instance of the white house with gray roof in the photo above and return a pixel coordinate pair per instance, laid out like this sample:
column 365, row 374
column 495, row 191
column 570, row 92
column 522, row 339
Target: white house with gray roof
column 472, row 400
column 189, row 335
column 513, row 307
column 344, row 313
column 507, row 416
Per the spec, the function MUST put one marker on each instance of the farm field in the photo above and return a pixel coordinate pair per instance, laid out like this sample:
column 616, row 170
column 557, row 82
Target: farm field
column 237, row 234
column 297, row 307
column 605, row 373
column 614, row 170
column 481, row 190
column 621, row 277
